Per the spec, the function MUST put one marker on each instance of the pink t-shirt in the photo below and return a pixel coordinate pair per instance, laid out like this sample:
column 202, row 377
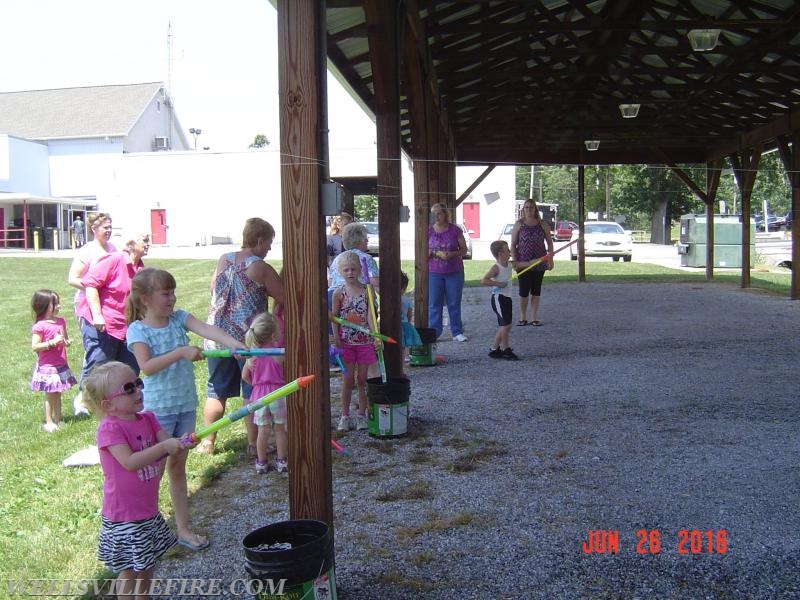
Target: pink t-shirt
column 87, row 255
column 111, row 276
column 129, row 495
column 47, row 330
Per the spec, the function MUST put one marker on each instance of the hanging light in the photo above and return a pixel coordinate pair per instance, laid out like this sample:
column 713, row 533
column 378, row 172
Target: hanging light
column 629, row 111
column 703, row 40
column 592, row 145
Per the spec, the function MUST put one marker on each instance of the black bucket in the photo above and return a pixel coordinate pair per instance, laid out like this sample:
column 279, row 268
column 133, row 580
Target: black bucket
column 290, row 559
column 387, row 406
column 422, row 356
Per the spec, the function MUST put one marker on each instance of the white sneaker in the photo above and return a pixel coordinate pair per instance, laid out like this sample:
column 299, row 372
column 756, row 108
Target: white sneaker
column 50, row 427
column 460, row 337
column 79, row 409
column 361, row 422
column 344, row 423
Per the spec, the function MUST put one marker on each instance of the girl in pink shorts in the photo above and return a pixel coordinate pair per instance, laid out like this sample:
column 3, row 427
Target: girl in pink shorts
column 350, row 303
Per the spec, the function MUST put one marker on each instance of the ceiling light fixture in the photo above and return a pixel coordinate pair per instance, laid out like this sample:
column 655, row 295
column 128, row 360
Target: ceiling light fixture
column 629, row 111
column 592, row 145
column 703, row 40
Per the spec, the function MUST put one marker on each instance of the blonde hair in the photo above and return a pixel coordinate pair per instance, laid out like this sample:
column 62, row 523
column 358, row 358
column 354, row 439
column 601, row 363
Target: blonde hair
column 144, row 283
column 254, row 230
column 263, row 330
column 97, row 384
column 96, row 219
column 348, row 257
column 131, row 243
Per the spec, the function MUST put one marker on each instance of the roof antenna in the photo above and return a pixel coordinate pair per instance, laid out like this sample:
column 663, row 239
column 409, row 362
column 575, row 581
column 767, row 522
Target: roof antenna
column 168, row 99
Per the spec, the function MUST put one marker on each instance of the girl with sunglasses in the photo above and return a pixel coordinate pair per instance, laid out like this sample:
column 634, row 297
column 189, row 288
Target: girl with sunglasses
column 157, row 337
column 132, row 447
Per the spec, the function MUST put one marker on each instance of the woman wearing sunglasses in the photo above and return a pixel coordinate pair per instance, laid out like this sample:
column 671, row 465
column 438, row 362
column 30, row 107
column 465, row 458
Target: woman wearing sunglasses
column 132, row 447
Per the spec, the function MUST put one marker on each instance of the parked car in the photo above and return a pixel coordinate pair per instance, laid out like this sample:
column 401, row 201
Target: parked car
column 468, row 239
column 373, row 241
column 773, row 223
column 564, row 230
column 603, row 238
column 505, row 233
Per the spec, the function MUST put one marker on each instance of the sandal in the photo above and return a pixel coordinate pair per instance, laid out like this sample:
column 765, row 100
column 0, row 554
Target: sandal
column 536, row 323
column 198, row 542
column 522, row 323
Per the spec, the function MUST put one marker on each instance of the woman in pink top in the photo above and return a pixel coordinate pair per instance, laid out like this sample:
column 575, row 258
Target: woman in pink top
column 101, row 313
column 132, row 447
column 446, row 248
column 100, row 225
column 530, row 241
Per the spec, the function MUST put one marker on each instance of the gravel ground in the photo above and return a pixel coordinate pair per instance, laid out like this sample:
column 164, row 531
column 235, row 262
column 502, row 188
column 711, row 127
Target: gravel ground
column 636, row 407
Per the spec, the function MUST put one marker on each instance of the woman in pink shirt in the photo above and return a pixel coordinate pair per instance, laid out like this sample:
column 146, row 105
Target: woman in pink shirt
column 101, row 313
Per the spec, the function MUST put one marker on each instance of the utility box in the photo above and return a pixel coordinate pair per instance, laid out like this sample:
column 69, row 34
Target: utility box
column 727, row 241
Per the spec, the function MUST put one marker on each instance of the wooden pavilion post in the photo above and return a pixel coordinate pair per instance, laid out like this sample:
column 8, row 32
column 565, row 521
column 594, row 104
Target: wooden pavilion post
column 382, row 25
column 713, row 172
column 417, row 91
column 745, row 169
column 581, row 212
column 301, row 84
column 790, row 156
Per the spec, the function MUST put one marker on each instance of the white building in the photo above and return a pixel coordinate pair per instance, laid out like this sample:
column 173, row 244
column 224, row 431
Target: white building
column 121, row 150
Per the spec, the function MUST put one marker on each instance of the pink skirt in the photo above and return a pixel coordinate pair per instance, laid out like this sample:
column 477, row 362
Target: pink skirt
column 49, row 378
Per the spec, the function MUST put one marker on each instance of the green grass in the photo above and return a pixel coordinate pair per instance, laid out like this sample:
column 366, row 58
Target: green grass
column 49, row 515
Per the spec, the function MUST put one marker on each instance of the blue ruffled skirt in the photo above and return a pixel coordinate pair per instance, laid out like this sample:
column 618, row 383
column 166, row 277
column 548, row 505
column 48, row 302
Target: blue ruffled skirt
column 410, row 335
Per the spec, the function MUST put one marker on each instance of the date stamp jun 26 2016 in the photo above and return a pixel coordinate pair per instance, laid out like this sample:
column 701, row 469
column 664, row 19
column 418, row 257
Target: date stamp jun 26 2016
column 653, row 541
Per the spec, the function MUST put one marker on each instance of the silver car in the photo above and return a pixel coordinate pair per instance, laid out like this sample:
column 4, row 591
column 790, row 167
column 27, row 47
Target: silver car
column 468, row 240
column 373, row 240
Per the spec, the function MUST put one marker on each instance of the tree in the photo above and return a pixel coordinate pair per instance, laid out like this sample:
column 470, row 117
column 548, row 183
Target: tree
column 653, row 193
column 366, row 208
column 260, row 141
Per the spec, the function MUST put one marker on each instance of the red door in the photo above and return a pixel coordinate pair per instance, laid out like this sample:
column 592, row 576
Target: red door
column 472, row 218
column 158, row 226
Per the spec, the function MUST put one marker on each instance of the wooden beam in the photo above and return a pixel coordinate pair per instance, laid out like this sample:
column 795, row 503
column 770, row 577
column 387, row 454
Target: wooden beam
column 416, row 93
column 745, row 169
column 713, row 172
column 475, row 184
column 789, row 146
column 382, row 25
column 301, row 91
column 581, row 213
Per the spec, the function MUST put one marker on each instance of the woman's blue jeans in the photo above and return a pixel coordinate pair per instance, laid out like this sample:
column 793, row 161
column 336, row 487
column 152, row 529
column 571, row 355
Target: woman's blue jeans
column 445, row 287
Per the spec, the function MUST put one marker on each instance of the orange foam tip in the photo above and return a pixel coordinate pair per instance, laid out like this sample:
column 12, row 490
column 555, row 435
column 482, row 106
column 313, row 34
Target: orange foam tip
column 305, row 380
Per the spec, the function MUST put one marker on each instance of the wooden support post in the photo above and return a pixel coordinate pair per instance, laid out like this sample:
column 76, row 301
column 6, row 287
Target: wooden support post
column 581, row 212
column 383, row 41
column 301, row 89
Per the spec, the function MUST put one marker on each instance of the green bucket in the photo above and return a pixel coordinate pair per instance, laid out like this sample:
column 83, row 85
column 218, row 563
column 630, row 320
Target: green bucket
column 422, row 356
column 387, row 406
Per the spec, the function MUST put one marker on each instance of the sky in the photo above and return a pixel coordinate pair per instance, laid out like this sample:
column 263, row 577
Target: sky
column 222, row 76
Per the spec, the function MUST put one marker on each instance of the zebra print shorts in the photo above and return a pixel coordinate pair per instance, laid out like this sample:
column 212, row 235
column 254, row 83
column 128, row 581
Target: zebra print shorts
column 134, row 545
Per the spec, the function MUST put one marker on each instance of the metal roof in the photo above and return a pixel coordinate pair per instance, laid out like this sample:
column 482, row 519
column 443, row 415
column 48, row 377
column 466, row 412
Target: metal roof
column 529, row 81
column 80, row 112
